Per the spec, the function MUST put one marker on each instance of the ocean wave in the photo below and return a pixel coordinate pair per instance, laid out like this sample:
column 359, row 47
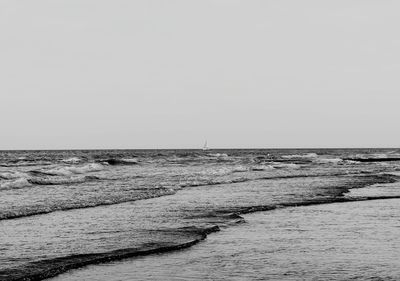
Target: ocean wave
column 26, row 164
column 212, row 182
column 350, row 162
column 331, row 195
column 300, row 156
column 61, row 175
column 121, row 161
column 61, row 180
column 382, row 156
column 12, row 175
column 14, row 184
column 261, row 158
column 209, row 182
column 320, row 201
column 329, row 160
column 216, row 171
column 285, row 165
column 262, row 167
column 240, row 169
column 70, row 170
column 370, row 160
column 72, row 160
column 43, row 269
column 218, row 155
column 222, row 171
column 169, row 190
column 93, row 167
column 135, row 195
column 377, row 155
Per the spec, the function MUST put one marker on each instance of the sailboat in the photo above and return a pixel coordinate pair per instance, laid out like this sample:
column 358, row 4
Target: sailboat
column 205, row 147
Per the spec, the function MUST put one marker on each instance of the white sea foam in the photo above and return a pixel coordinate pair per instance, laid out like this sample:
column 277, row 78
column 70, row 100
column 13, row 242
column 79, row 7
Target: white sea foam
column 351, row 162
column 18, row 183
column 67, row 171
column 305, row 156
column 130, row 160
column 12, row 175
column 72, row 160
column 218, row 155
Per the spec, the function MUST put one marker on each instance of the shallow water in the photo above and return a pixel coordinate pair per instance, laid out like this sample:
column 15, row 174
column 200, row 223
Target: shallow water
column 62, row 210
column 340, row 241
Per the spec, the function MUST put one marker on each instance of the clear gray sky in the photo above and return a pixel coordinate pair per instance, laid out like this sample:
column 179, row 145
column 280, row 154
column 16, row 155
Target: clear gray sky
column 170, row 74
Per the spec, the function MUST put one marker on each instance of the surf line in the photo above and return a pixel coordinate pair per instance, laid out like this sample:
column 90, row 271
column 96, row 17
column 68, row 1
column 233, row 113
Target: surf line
column 44, row 269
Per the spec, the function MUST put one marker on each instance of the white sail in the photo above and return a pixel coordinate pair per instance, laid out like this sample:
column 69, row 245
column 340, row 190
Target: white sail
column 205, row 147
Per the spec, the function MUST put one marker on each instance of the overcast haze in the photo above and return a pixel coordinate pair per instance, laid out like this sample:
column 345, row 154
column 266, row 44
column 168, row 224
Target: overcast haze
column 170, row 74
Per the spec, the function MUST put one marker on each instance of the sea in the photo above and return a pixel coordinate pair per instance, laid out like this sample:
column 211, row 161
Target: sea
column 220, row 214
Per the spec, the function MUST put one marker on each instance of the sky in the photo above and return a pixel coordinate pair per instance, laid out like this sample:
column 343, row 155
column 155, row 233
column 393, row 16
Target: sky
column 81, row 74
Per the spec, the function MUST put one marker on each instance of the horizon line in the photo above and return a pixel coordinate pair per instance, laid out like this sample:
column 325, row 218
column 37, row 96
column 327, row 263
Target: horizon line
column 247, row 148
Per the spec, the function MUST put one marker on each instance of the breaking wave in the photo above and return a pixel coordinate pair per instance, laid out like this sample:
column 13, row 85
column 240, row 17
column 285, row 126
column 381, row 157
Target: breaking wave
column 146, row 193
column 300, row 156
column 218, row 155
column 14, row 184
column 121, row 161
column 70, row 170
column 72, row 160
column 44, row 269
column 12, row 175
column 61, row 180
column 133, row 195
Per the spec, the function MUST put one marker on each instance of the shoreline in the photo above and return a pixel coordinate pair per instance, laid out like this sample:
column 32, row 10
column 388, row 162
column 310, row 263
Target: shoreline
column 66, row 264
column 228, row 241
